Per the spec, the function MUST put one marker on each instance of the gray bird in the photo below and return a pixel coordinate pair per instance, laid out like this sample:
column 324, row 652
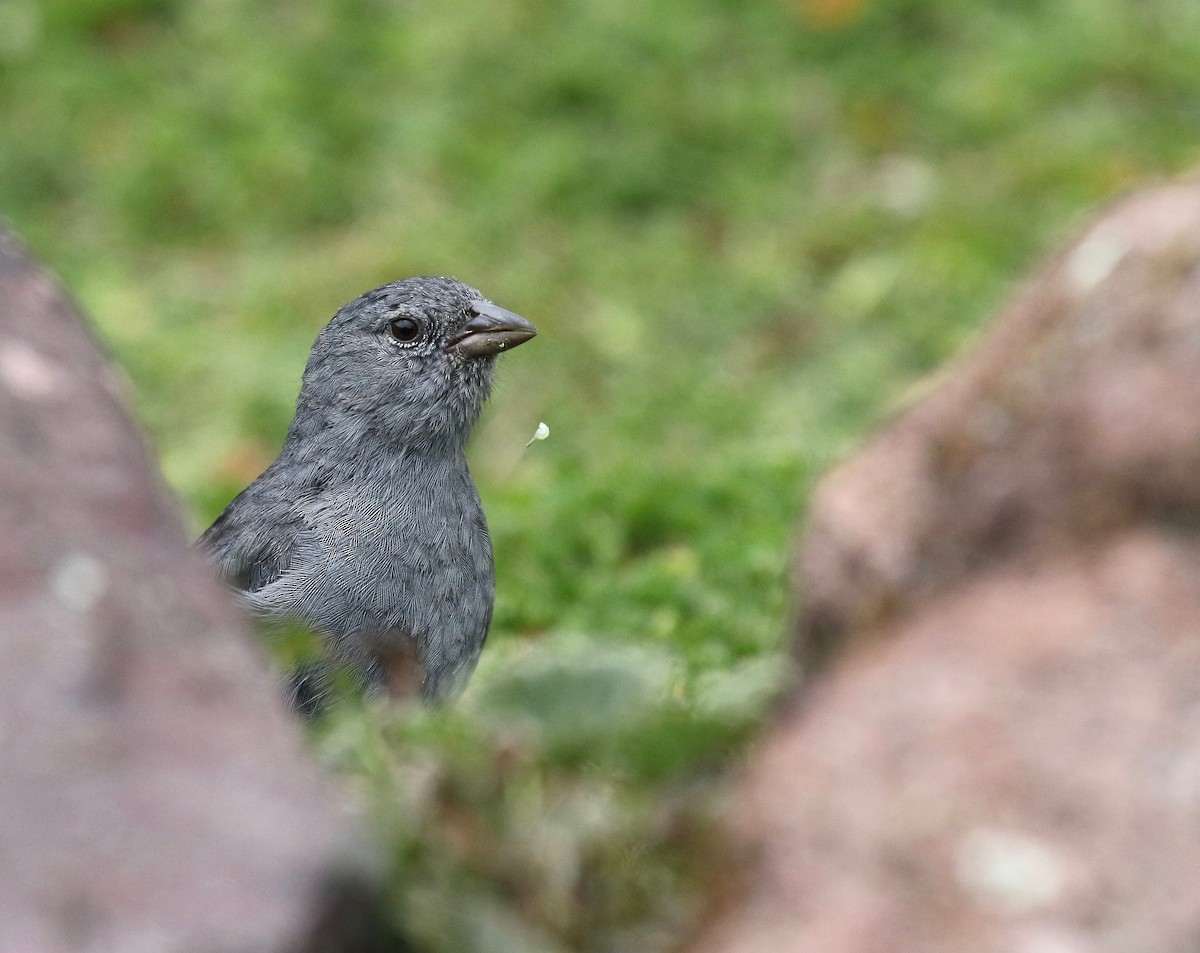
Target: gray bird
column 368, row 527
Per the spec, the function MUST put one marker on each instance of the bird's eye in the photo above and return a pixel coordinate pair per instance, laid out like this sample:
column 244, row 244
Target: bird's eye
column 404, row 330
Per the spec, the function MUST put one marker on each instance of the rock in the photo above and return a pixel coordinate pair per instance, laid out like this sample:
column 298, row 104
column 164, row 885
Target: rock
column 995, row 745
column 155, row 794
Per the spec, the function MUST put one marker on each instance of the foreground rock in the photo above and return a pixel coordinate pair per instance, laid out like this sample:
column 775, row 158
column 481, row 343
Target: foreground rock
column 153, row 793
column 996, row 745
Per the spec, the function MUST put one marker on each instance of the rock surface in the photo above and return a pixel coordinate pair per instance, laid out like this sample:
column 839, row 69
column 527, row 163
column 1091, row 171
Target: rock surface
column 155, row 794
column 996, row 745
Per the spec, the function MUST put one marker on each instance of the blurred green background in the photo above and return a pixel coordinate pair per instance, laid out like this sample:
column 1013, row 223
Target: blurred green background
column 744, row 230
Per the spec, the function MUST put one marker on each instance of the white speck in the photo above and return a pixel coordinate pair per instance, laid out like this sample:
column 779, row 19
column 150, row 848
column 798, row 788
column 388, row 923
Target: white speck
column 26, row 372
column 79, row 581
column 541, row 433
column 906, row 184
column 1094, row 259
column 1007, row 872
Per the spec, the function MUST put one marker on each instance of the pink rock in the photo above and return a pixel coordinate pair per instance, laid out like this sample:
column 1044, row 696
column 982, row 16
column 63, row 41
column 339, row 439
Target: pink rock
column 155, row 794
column 996, row 744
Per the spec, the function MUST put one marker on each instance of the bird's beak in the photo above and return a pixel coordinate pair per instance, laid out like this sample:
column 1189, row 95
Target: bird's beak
column 490, row 331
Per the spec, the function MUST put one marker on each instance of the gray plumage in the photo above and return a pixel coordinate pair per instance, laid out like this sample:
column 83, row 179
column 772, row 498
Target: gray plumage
column 368, row 527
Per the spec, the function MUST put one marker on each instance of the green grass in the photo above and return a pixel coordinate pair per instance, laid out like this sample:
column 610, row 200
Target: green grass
column 743, row 230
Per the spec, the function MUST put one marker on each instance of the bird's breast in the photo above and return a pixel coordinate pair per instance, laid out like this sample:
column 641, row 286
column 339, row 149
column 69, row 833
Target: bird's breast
column 388, row 564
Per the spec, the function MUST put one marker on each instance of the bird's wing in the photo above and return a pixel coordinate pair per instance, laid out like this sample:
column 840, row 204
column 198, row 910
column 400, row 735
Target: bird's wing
column 251, row 542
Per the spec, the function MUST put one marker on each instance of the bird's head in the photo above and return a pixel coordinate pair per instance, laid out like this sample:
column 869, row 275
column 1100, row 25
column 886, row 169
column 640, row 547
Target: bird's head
column 411, row 361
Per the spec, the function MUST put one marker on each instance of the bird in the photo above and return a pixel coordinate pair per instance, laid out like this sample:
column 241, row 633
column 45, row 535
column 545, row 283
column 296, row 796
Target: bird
column 368, row 528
